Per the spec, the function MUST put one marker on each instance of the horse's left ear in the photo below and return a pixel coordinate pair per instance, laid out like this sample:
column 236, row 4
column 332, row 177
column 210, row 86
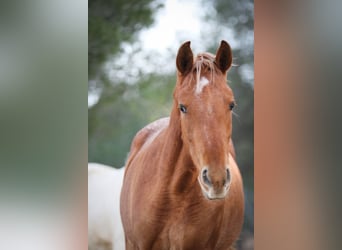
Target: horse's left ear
column 224, row 57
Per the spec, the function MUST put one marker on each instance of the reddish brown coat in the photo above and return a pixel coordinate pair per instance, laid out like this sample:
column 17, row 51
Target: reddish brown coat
column 166, row 202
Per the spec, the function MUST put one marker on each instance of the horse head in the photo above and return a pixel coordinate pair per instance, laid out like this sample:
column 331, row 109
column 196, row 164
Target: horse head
column 205, row 103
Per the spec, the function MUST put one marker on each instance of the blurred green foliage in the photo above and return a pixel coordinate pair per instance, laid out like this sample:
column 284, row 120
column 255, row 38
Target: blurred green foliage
column 237, row 14
column 120, row 113
column 42, row 87
column 112, row 22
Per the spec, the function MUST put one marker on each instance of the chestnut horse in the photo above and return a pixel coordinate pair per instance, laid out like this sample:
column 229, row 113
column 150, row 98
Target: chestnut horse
column 182, row 188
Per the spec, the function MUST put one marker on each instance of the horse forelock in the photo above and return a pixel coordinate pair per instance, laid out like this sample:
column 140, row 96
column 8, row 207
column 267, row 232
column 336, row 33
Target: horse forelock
column 202, row 73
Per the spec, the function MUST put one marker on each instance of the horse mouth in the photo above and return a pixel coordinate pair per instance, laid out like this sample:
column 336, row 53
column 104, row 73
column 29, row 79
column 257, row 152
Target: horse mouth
column 216, row 197
column 221, row 196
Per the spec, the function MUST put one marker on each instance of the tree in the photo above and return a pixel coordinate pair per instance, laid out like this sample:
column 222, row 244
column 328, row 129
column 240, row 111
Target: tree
column 114, row 122
column 112, row 22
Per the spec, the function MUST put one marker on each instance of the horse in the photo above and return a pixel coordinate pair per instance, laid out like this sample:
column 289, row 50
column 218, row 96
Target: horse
column 182, row 187
column 105, row 230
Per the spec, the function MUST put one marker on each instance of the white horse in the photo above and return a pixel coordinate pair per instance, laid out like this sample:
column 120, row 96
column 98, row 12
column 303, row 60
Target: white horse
column 105, row 230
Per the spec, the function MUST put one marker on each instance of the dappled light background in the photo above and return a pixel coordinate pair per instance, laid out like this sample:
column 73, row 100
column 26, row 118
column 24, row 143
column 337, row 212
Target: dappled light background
column 132, row 73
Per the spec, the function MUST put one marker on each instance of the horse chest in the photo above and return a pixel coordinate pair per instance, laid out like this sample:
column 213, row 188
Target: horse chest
column 187, row 228
column 181, row 235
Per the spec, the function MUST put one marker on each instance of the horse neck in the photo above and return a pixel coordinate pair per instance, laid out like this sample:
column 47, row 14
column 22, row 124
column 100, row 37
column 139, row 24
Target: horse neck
column 172, row 140
column 178, row 167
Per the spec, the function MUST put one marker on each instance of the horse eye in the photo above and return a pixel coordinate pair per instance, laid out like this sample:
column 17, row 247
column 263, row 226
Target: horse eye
column 182, row 108
column 231, row 105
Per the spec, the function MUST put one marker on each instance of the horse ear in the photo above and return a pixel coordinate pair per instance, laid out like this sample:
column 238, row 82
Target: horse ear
column 224, row 57
column 185, row 58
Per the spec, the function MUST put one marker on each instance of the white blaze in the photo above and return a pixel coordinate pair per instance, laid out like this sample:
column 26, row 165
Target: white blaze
column 201, row 84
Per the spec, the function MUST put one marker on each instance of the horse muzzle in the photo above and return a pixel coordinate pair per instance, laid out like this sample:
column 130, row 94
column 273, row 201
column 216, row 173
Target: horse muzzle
column 214, row 185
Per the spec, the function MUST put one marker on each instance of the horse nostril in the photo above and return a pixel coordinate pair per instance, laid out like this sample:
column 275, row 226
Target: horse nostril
column 205, row 176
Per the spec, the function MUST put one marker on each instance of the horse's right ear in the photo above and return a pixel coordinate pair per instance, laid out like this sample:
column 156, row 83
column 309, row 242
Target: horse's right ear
column 185, row 58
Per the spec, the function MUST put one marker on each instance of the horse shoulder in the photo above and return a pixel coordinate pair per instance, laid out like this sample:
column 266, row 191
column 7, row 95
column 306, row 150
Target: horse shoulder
column 145, row 136
column 235, row 202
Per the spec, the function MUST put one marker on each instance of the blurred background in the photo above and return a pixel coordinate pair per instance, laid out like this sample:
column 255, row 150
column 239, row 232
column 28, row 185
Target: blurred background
column 44, row 115
column 131, row 66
